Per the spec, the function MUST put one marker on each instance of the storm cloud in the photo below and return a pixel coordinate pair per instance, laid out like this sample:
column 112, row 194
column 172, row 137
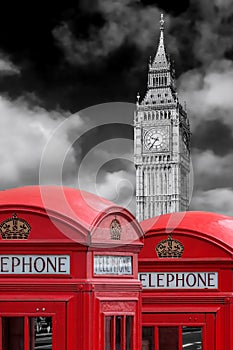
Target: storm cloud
column 96, row 52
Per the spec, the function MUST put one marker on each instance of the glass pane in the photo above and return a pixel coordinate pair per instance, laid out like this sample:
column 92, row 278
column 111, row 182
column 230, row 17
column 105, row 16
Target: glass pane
column 118, row 332
column 168, row 338
column 108, row 332
column 12, row 333
column 129, row 332
column 192, row 338
column 40, row 333
column 148, row 338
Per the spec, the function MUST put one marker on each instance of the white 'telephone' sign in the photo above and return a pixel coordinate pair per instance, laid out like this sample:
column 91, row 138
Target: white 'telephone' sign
column 179, row 280
column 35, row 264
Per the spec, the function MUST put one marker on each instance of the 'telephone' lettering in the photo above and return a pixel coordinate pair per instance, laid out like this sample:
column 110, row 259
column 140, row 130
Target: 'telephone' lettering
column 207, row 280
column 34, row 264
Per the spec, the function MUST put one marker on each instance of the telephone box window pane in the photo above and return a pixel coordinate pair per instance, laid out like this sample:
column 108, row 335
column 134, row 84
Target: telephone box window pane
column 12, row 333
column 147, row 338
column 129, row 332
column 168, row 338
column 118, row 332
column 108, row 332
column 40, row 333
column 192, row 338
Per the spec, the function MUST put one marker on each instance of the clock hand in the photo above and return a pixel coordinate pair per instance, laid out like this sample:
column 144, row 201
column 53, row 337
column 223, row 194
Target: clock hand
column 155, row 139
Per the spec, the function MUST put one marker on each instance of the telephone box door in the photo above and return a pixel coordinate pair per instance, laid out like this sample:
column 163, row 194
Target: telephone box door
column 178, row 331
column 32, row 325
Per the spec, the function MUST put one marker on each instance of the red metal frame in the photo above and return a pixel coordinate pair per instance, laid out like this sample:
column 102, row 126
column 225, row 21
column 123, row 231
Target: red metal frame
column 208, row 247
column 26, row 309
column 66, row 221
column 206, row 321
column 123, row 329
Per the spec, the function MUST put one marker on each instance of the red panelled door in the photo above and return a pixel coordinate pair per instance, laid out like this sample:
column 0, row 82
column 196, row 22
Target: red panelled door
column 170, row 331
column 32, row 325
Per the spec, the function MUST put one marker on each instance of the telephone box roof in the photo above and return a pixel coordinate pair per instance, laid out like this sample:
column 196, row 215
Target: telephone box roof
column 68, row 203
column 212, row 226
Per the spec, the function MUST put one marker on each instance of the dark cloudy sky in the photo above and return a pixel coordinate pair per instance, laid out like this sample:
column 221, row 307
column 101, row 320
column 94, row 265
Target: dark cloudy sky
column 69, row 75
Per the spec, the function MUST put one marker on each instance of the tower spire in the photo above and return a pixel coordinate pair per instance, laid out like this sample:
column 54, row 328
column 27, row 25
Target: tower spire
column 160, row 60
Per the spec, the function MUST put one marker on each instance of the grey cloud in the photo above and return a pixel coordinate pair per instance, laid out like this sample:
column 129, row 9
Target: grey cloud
column 7, row 67
column 218, row 200
column 208, row 92
column 223, row 3
column 22, row 146
column 119, row 187
column 213, row 135
column 212, row 170
column 204, row 31
column 92, row 169
column 213, row 27
column 96, row 176
column 124, row 20
column 207, row 88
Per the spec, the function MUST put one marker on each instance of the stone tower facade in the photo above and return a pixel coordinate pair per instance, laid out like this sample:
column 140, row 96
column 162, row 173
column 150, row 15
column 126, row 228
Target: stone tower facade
column 161, row 142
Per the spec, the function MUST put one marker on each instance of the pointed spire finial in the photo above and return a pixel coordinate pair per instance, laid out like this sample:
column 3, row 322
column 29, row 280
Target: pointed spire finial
column 138, row 97
column 161, row 22
column 161, row 59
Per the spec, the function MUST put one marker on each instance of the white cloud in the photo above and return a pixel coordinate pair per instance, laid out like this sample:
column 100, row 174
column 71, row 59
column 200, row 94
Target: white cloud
column 93, row 175
column 207, row 163
column 119, row 187
column 208, row 93
column 218, row 200
column 211, row 171
column 36, row 142
column 24, row 135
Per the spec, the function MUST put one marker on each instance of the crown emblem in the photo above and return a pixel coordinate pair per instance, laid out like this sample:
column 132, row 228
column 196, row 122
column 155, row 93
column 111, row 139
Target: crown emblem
column 115, row 230
column 169, row 248
column 15, row 228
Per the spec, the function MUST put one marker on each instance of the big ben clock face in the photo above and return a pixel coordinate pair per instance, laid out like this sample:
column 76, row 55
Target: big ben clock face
column 156, row 140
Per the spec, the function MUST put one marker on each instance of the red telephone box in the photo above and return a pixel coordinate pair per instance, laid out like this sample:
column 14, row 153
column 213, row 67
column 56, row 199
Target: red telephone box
column 68, row 271
column 185, row 268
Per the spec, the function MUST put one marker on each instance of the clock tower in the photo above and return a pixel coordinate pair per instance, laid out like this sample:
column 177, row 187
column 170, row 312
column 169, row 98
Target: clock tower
column 161, row 142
